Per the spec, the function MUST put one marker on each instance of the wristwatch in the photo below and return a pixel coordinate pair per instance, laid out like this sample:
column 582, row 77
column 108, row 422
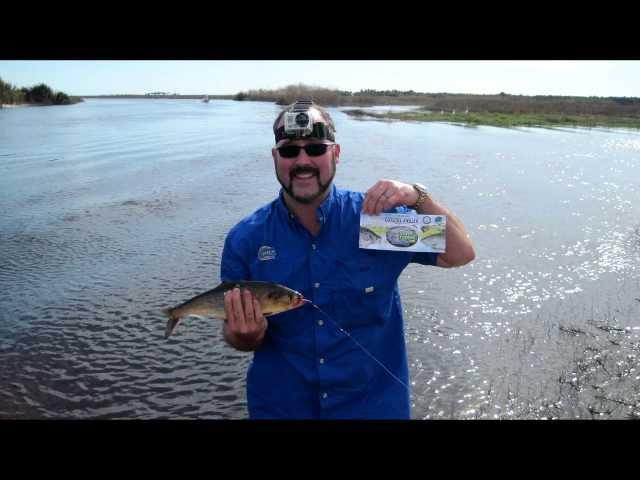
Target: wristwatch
column 422, row 195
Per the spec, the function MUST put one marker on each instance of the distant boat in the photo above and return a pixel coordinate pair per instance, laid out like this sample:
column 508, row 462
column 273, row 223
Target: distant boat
column 205, row 99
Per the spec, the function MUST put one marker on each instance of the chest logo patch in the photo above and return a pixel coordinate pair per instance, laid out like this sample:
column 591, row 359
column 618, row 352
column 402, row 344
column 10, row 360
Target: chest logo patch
column 266, row 253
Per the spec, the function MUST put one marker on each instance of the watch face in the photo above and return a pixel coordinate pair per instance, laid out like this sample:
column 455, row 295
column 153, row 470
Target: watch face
column 420, row 187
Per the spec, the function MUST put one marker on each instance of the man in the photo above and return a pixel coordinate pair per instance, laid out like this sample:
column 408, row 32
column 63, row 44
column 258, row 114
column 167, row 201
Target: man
column 348, row 358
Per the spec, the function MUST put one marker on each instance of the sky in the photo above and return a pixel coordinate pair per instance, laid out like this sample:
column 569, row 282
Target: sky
column 602, row 78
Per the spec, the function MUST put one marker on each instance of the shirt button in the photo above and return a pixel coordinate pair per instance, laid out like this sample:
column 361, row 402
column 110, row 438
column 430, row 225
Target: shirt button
column 321, row 360
column 320, row 322
column 317, row 285
column 324, row 395
column 313, row 246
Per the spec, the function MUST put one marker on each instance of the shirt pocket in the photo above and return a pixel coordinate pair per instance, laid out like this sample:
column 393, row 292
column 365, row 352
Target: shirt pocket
column 366, row 300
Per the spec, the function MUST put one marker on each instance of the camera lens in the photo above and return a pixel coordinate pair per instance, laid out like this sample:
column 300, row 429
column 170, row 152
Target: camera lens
column 302, row 119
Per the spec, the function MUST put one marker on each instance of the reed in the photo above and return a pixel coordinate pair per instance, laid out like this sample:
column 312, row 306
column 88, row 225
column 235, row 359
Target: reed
column 40, row 94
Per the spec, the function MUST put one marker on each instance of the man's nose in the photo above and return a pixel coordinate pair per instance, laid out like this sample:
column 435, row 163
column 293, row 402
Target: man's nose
column 303, row 158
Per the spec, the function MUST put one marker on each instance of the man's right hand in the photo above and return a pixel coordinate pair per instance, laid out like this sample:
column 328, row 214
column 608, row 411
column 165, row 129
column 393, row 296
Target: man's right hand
column 244, row 326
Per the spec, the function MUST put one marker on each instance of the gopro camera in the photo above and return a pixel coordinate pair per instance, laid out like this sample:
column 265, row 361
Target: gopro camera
column 298, row 122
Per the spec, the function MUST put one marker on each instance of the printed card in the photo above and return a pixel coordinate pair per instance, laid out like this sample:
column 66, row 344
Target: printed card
column 405, row 232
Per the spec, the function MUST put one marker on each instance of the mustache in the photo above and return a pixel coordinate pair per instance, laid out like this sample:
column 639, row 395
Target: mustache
column 303, row 170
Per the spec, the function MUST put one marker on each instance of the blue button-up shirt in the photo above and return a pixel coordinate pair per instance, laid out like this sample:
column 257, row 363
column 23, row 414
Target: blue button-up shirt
column 306, row 367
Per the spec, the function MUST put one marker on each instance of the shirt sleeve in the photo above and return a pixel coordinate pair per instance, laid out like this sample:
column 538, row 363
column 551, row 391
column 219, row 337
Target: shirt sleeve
column 425, row 258
column 233, row 266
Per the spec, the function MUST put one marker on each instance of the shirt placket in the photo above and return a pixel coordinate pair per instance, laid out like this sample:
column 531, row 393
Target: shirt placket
column 318, row 271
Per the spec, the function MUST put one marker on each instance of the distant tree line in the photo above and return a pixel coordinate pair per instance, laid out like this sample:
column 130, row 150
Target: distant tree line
column 289, row 94
column 40, row 94
column 9, row 93
column 493, row 103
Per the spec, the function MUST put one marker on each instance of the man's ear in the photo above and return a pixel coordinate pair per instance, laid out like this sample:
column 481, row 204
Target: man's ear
column 336, row 150
column 273, row 153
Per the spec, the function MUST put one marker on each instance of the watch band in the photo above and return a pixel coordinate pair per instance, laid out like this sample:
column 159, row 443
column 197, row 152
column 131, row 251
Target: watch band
column 422, row 195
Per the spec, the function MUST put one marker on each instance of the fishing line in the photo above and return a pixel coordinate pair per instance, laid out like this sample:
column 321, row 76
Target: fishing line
column 334, row 323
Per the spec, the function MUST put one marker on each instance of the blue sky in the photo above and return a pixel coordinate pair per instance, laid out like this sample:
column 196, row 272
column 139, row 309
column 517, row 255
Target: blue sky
column 562, row 77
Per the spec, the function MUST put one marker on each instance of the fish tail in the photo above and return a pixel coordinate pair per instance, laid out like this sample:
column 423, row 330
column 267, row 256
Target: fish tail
column 172, row 323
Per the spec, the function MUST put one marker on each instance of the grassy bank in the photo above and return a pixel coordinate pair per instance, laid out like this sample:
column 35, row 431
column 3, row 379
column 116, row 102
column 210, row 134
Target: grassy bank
column 502, row 109
column 506, row 119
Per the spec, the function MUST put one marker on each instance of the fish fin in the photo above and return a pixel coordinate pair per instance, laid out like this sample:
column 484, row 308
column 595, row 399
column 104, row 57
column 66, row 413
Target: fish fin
column 172, row 323
column 224, row 286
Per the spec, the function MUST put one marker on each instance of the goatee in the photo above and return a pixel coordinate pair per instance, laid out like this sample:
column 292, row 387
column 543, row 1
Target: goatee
column 322, row 187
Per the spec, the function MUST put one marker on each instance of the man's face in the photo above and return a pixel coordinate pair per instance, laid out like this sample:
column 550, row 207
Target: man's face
column 305, row 176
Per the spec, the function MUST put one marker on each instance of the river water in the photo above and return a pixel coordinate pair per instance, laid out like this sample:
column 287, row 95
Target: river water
column 113, row 209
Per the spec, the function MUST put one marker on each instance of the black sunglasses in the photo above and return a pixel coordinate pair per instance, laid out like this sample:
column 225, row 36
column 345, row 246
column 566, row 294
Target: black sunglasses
column 312, row 149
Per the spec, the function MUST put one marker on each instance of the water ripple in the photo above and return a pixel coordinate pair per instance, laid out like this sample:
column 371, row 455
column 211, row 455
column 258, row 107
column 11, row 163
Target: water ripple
column 121, row 209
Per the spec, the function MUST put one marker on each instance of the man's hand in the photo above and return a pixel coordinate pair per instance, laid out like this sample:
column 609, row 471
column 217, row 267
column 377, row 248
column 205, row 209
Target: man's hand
column 386, row 194
column 244, row 326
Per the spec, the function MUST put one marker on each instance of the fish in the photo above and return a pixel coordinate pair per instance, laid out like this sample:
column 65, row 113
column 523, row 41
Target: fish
column 431, row 230
column 368, row 237
column 273, row 298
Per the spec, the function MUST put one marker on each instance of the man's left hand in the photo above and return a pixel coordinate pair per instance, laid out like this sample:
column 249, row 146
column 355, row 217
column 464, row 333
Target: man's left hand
column 386, row 194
